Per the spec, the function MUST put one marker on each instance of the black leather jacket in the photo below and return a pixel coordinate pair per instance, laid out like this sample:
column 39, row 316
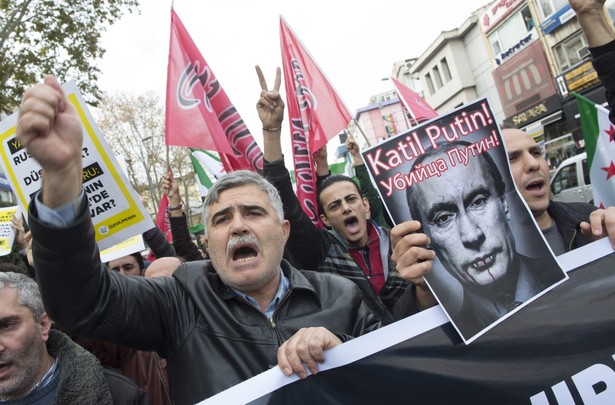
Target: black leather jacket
column 211, row 338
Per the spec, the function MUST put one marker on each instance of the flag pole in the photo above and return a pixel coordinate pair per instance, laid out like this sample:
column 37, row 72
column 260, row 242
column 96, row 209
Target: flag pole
column 361, row 131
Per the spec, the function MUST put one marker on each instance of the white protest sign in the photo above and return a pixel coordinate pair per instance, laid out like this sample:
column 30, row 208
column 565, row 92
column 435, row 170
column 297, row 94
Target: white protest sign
column 116, row 210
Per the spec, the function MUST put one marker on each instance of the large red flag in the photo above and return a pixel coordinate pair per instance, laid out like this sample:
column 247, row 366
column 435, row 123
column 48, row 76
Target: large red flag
column 316, row 113
column 199, row 114
column 414, row 103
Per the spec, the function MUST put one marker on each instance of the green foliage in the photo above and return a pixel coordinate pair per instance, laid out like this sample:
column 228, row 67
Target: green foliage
column 60, row 37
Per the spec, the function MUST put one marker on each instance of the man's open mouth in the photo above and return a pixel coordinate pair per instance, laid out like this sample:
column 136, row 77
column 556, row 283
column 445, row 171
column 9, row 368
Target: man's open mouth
column 244, row 252
column 352, row 224
column 535, row 185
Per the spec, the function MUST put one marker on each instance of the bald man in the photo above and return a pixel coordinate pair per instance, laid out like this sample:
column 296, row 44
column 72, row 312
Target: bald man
column 566, row 226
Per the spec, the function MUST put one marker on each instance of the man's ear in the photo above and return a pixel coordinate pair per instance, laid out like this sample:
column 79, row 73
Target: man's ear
column 506, row 208
column 366, row 205
column 325, row 220
column 45, row 324
column 286, row 229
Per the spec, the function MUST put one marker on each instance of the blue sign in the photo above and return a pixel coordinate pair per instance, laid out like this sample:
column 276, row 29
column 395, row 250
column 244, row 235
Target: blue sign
column 556, row 19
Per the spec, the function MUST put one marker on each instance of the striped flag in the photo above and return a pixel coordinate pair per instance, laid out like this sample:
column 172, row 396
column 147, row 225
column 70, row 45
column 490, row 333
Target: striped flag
column 204, row 161
column 599, row 135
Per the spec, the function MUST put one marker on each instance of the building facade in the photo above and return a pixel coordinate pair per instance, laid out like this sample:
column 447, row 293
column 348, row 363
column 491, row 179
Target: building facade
column 526, row 57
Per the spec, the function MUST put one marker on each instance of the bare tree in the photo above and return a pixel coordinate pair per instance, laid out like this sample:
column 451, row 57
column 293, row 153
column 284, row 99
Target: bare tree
column 133, row 125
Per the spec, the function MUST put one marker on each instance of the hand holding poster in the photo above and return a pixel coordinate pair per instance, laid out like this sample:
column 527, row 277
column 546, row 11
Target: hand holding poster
column 117, row 212
column 451, row 174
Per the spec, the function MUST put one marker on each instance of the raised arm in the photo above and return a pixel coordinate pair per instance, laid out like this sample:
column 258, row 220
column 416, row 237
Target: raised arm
column 594, row 23
column 182, row 241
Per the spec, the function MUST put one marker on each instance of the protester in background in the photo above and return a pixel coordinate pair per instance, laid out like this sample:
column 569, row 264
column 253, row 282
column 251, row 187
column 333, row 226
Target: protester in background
column 233, row 312
column 566, row 226
column 182, row 241
column 377, row 211
column 130, row 265
column 355, row 247
column 163, row 267
column 144, row 368
column 43, row 366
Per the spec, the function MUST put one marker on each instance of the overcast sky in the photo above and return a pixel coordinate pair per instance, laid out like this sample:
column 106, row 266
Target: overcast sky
column 355, row 43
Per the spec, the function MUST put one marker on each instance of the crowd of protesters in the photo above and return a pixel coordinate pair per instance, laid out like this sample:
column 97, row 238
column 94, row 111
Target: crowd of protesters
column 268, row 288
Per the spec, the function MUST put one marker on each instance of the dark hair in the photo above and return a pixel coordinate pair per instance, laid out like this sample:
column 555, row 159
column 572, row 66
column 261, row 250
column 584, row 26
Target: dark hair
column 485, row 160
column 139, row 258
column 6, row 267
column 329, row 181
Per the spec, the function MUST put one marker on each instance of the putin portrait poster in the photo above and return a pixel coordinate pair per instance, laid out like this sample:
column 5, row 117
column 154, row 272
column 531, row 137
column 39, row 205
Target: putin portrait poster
column 452, row 175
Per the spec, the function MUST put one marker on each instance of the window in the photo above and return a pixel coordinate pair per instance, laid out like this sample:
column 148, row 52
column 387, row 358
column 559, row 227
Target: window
column 445, row 70
column 610, row 9
column 548, row 7
column 566, row 178
column 429, row 83
column 436, row 75
column 567, row 52
column 510, row 33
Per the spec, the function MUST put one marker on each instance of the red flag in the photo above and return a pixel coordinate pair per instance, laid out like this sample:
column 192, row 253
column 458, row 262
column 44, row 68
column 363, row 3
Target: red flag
column 199, row 114
column 414, row 103
column 162, row 219
column 316, row 113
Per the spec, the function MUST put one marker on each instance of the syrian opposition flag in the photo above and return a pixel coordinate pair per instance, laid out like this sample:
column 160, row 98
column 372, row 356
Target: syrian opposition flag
column 599, row 135
column 203, row 162
column 418, row 108
column 199, row 114
column 316, row 114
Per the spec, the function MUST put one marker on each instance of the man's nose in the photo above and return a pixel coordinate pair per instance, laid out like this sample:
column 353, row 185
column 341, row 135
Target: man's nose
column 532, row 163
column 470, row 232
column 238, row 225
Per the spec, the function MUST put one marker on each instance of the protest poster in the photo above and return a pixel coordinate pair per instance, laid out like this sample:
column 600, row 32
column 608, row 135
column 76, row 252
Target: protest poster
column 116, row 210
column 452, row 175
column 7, row 233
column 559, row 350
column 124, row 248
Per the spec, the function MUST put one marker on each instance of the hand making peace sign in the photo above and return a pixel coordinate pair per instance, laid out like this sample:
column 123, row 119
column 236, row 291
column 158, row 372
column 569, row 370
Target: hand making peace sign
column 270, row 105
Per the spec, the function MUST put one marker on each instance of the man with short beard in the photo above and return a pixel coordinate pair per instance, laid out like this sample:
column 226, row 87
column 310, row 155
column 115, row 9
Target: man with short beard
column 566, row 226
column 39, row 365
column 383, row 266
column 216, row 322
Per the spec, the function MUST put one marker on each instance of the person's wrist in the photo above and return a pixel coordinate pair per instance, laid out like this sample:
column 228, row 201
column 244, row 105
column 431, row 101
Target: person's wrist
column 175, row 207
column 63, row 184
